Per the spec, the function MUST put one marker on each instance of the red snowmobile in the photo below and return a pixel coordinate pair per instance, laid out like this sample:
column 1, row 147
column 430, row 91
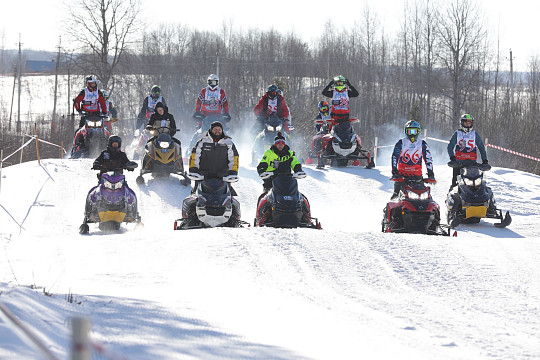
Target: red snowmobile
column 414, row 211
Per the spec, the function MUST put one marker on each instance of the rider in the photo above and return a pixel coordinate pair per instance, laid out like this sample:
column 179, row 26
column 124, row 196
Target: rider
column 111, row 109
column 407, row 157
column 90, row 99
column 323, row 116
column 162, row 118
column 112, row 158
column 214, row 155
column 340, row 94
column 279, row 159
column 272, row 103
column 148, row 105
column 212, row 101
column 463, row 146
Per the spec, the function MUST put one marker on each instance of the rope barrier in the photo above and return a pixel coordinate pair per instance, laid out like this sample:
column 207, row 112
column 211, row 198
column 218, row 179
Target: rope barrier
column 46, row 142
column 513, row 152
column 24, row 145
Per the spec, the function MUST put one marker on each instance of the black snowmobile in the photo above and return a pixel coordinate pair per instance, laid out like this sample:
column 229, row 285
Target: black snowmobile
column 211, row 206
column 472, row 200
column 284, row 206
column 414, row 211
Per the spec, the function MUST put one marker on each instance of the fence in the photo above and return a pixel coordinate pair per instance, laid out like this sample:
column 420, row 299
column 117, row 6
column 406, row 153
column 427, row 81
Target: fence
column 32, row 137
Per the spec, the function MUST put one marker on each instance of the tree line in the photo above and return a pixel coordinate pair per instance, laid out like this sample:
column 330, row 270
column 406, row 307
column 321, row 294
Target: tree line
column 441, row 63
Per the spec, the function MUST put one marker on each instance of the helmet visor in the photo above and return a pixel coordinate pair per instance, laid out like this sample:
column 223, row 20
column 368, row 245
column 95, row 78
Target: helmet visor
column 412, row 131
column 272, row 94
column 324, row 109
column 212, row 82
column 339, row 83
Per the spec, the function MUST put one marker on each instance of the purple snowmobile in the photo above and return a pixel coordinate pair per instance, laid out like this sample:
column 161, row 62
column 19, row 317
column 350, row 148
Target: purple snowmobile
column 111, row 202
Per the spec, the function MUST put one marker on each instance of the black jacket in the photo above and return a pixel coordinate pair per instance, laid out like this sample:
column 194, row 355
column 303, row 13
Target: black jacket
column 155, row 118
column 110, row 160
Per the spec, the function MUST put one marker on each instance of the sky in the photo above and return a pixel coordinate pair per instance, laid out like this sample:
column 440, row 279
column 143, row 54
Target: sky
column 306, row 18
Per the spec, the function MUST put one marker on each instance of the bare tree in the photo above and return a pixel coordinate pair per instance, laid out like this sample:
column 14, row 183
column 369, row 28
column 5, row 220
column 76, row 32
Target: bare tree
column 461, row 34
column 101, row 30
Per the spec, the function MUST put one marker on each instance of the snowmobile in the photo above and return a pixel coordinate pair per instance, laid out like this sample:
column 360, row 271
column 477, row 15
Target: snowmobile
column 414, row 210
column 283, row 206
column 90, row 139
column 111, row 202
column 203, row 127
column 137, row 146
column 342, row 145
column 211, row 206
column 472, row 200
column 265, row 139
column 163, row 156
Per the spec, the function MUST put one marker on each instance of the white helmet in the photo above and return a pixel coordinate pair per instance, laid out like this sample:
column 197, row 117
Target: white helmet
column 213, row 81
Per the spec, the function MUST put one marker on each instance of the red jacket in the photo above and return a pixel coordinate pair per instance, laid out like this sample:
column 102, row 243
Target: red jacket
column 101, row 101
column 262, row 108
column 215, row 106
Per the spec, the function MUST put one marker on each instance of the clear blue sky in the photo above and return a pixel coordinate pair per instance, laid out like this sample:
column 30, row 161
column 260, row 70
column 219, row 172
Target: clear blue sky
column 39, row 22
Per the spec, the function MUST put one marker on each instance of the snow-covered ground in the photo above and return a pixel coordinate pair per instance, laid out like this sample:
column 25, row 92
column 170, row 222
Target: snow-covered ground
column 345, row 292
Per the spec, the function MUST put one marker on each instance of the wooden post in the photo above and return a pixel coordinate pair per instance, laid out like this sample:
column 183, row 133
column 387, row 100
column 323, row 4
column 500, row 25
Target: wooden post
column 425, row 134
column 375, row 150
column 37, row 144
column 22, row 144
column 62, row 150
column 80, row 347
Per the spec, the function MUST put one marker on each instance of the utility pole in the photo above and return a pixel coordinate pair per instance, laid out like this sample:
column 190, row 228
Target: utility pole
column 511, row 82
column 19, row 93
column 56, row 81
column 217, row 67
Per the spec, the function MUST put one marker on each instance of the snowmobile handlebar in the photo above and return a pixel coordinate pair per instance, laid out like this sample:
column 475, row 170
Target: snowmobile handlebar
column 130, row 166
column 413, row 178
column 456, row 165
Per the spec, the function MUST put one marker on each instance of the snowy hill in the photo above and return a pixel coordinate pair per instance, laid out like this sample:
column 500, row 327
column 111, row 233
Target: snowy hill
column 345, row 292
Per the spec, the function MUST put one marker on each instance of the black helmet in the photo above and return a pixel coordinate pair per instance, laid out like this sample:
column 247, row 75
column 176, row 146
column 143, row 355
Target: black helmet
column 155, row 92
column 113, row 139
column 272, row 91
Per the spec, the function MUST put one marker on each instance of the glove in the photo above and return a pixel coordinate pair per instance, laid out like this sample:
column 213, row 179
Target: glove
column 266, row 175
column 226, row 117
column 485, row 166
column 484, row 161
column 431, row 178
column 347, row 82
column 452, row 158
column 198, row 115
column 299, row 175
column 453, row 163
column 230, row 178
column 96, row 167
column 79, row 111
column 395, row 173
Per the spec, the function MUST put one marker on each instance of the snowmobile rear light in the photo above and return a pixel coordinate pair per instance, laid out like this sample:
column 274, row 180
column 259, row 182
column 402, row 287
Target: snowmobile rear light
column 164, row 144
column 113, row 186
column 418, row 194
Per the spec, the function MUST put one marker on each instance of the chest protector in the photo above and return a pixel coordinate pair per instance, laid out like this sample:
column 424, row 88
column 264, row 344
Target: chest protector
column 212, row 101
column 90, row 100
column 410, row 158
column 465, row 146
column 151, row 105
column 272, row 107
column 340, row 102
column 162, row 123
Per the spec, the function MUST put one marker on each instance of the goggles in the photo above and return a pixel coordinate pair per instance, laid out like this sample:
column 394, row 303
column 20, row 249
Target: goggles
column 272, row 94
column 324, row 109
column 339, row 83
column 412, row 131
column 212, row 82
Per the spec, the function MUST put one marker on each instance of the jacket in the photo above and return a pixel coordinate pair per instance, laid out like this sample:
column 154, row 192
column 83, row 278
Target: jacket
column 214, row 158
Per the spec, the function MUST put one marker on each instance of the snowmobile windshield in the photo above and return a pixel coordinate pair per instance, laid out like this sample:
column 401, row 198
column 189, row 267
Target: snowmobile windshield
column 214, row 186
column 112, row 182
column 285, row 186
column 343, row 130
column 164, row 141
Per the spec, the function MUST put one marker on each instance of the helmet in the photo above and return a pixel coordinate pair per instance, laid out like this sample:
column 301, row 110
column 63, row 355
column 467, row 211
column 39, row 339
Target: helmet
column 113, row 139
column 272, row 91
column 213, row 81
column 339, row 82
column 92, row 79
column 105, row 94
column 155, row 92
column 412, row 130
column 465, row 118
column 323, row 107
